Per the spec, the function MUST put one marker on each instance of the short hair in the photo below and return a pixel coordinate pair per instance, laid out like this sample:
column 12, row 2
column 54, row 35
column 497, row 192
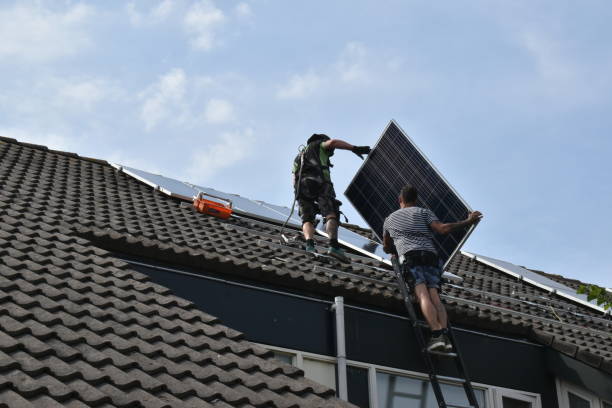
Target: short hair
column 409, row 193
column 316, row 137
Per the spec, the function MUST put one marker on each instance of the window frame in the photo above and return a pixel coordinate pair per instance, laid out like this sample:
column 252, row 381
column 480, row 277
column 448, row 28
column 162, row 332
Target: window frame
column 499, row 393
column 564, row 387
column 490, row 391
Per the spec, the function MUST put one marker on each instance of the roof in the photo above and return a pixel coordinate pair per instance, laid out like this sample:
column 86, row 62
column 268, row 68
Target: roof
column 91, row 201
column 80, row 328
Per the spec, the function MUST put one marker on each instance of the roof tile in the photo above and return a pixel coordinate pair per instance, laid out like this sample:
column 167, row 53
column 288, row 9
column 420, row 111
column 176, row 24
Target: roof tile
column 65, row 298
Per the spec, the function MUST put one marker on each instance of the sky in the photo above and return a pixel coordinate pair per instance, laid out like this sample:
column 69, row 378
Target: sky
column 511, row 100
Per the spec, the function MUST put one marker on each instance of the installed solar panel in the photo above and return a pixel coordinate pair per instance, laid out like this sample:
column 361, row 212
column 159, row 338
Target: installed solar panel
column 394, row 162
column 252, row 208
column 536, row 279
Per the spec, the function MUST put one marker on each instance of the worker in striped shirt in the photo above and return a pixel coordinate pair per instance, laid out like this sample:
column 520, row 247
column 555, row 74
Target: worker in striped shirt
column 408, row 233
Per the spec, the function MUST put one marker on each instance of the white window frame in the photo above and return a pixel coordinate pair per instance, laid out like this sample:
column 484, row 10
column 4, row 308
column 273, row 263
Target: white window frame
column 499, row 393
column 564, row 387
column 492, row 393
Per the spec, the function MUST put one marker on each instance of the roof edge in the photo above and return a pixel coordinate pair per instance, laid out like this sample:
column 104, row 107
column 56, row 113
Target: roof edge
column 46, row 149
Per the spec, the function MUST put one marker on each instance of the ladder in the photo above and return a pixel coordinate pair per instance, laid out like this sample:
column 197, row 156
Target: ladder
column 419, row 326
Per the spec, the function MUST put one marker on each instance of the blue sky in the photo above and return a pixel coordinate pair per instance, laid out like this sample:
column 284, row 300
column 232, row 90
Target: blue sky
column 511, row 100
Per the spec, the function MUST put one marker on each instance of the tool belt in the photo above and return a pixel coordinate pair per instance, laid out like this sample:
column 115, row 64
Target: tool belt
column 419, row 258
column 416, row 258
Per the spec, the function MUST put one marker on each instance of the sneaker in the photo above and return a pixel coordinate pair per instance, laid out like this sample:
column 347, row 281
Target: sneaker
column 310, row 248
column 436, row 344
column 338, row 254
column 448, row 346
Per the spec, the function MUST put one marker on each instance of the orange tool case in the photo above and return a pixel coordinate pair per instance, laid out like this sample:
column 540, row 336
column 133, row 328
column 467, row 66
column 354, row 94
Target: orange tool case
column 214, row 208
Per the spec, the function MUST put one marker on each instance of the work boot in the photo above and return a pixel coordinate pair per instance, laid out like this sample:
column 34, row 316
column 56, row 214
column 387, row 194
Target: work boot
column 310, row 247
column 339, row 254
column 436, row 344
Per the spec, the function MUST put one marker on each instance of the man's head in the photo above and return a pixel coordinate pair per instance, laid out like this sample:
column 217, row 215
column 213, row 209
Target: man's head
column 317, row 137
column 408, row 196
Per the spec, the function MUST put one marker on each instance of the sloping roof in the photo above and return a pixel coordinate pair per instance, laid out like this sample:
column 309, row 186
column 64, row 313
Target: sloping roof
column 80, row 328
column 95, row 202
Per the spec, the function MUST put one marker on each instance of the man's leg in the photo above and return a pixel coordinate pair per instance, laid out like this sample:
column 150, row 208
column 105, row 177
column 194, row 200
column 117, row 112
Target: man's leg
column 307, row 213
column 434, row 296
column 437, row 342
column 430, row 312
column 331, row 227
column 308, row 230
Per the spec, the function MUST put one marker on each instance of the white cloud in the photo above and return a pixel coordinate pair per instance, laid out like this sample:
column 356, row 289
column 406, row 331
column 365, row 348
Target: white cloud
column 243, row 9
column 54, row 99
column 351, row 65
column 86, row 93
column 229, row 149
column 300, row 86
column 218, row 111
column 354, row 67
column 31, row 32
column 156, row 14
column 547, row 56
column 163, row 98
column 182, row 101
column 202, row 21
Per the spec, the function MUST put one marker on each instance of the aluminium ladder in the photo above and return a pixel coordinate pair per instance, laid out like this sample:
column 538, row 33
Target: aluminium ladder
column 418, row 330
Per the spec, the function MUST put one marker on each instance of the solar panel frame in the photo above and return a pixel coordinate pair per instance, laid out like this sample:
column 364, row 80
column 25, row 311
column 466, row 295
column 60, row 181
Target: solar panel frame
column 186, row 191
column 416, row 170
column 536, row 279
column 244, row 206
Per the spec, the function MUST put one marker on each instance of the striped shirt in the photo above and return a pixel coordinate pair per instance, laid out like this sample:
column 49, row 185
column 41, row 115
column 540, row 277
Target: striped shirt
column 410, row 229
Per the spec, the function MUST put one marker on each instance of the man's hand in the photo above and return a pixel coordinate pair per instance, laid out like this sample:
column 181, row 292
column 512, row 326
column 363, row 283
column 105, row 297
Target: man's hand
column 388, row 244
column 361, row 150
column 474, row 217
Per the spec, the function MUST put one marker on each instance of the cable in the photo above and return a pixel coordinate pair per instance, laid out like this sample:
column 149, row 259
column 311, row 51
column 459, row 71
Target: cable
column 302, row 150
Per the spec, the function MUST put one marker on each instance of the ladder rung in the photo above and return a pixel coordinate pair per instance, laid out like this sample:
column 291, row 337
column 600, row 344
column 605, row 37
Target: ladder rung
column 441, row 353
column 452, row 379
column 459, row 406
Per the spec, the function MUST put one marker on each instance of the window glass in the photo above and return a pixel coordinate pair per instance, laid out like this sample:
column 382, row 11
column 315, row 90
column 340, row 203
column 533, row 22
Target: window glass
column 320, row 371
column 400, row 392
column 284, row 357
column 577, row 402
column 508, row 402
column 357, row 385
column 605, row 404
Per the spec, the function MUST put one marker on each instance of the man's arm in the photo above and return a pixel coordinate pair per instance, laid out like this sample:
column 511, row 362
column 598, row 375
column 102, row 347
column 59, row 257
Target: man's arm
column 332, row 144
column 337, row 144
column 443, row 229
column 388, row 245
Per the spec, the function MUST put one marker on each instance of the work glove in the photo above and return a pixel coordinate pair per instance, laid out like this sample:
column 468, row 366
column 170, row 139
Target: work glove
column 361, row 150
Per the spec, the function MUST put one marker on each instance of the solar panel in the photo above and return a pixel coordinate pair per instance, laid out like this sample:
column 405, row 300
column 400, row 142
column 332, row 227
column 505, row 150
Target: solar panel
column 253, row 208
column 166, row 185
column 246, row 206
column 355, row 241
column 394, row 162
column 536, row 279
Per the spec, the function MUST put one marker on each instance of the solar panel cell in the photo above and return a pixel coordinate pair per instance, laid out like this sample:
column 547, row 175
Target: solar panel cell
column 394, row 162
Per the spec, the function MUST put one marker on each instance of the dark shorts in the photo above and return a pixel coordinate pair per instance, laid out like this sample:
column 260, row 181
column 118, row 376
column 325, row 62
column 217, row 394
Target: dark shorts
column 423, row 267
column 429, row 275
column 318, row 200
